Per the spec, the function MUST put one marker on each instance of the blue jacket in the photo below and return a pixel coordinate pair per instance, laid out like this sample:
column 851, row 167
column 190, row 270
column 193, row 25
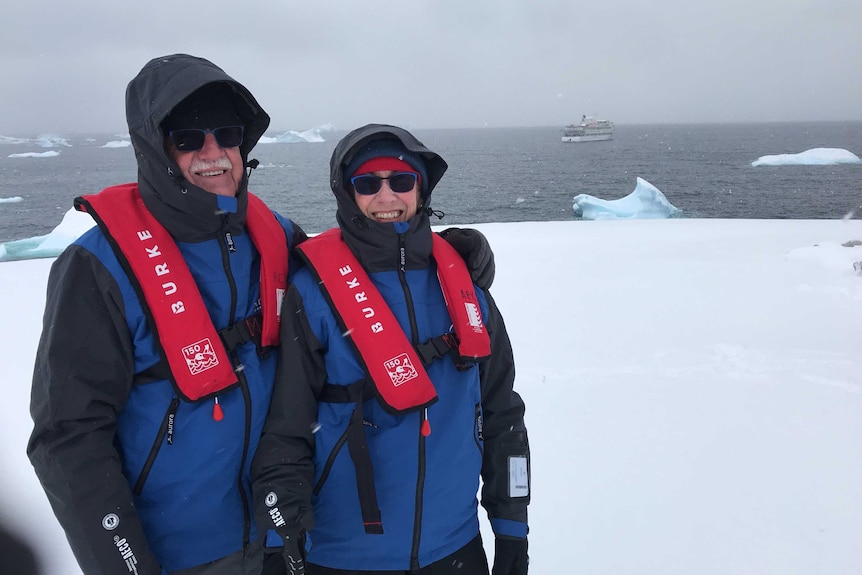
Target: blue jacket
column 199, row 481
column 138, row 478
column 426, row 486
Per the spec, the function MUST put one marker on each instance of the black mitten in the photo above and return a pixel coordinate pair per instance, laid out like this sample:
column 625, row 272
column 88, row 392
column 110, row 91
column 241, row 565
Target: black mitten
column 510, row 556
column 476, row 252
column 273, row 564
column 291, row 558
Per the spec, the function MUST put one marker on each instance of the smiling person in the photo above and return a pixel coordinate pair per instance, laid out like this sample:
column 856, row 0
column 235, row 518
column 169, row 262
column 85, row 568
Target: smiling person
column 153, row 374
column 156, row 363
column 395, row 390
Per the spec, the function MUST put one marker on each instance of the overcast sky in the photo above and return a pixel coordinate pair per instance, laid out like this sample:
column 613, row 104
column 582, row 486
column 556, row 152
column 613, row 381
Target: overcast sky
column 443, row 63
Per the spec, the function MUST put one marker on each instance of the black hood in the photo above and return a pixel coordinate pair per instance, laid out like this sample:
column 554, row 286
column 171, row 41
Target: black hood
column 376, row 245
column 187, row 211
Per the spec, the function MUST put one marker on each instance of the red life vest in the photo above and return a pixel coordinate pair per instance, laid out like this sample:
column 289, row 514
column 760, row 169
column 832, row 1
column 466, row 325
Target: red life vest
column 182, row 328
column 389, row 358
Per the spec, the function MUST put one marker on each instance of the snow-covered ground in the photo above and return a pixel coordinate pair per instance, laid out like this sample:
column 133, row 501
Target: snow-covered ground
column 693, row 392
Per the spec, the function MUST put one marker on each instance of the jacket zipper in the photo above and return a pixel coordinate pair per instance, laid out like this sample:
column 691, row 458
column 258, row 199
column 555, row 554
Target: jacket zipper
column 246, row 396
column 423, row 415
column 420, row 488
column 227, row 248
column 402, row 277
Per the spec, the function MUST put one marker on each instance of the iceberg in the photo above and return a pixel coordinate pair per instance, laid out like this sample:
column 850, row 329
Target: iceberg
column 645, row 202
column 812, row 157
column 292, row 136
column 50, row 154
column 43, row 141
column 118, row 144
column 52, row 141
column 51, row 245
column 14, row 140
column 12, row 200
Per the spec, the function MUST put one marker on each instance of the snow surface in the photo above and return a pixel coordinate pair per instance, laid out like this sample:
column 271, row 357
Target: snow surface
column 693, row 395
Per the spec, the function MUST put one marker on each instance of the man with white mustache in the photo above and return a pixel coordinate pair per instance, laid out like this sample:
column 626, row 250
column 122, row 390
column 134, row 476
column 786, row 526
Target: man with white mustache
column 157, row 359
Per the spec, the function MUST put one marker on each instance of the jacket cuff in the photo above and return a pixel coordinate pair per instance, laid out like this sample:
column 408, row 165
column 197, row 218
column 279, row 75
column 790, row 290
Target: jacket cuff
column 509, row 528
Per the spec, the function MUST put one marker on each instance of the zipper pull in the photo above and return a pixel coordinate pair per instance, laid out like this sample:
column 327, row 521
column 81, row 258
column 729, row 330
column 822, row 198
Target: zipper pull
column 172, row 415
column 228, row 238
column 218, row 414
column 426, row 425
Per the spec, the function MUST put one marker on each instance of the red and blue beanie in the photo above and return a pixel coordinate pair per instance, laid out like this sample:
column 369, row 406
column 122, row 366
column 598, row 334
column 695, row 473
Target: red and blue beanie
column 384, row 155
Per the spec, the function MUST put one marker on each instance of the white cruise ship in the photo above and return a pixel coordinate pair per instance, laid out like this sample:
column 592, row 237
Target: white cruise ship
column 589, row 130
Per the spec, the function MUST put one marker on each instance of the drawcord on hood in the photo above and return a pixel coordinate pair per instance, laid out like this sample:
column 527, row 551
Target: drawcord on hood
column 249, row 166
column 436, row 213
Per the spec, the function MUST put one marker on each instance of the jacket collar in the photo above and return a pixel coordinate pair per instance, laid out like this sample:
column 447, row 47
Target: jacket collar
column 378, row 246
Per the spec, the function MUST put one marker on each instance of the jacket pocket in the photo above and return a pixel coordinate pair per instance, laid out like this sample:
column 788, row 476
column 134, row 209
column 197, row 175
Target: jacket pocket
column 166, row 429
column 330, row 462
column 477, row 427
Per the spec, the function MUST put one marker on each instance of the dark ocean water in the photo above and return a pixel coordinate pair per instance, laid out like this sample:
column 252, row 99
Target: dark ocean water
column 498, row 174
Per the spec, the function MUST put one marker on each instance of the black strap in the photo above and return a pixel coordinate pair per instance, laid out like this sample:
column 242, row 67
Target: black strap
column 332, row 393
column 437, row 347
column 441, row 346
column 248, row 329
column 357, row 445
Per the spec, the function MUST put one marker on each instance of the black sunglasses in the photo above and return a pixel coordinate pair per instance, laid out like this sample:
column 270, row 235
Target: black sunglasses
column 192, row 139
column 369, row 184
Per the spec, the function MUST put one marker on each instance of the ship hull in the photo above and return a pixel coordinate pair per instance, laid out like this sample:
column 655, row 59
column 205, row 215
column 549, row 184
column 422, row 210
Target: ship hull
column 588, row 138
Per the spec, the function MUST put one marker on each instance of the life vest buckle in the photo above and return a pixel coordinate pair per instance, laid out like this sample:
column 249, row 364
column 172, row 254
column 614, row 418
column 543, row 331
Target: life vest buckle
column 243, row 331
column 436, row 348
column 441, row 346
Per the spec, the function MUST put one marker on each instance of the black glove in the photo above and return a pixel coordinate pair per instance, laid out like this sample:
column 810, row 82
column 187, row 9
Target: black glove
column 290, row 559
column 510, row 556
column 273, row 564
column 476, row 252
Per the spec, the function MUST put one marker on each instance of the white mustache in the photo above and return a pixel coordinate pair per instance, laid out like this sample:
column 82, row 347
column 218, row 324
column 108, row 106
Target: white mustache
column 220, row 164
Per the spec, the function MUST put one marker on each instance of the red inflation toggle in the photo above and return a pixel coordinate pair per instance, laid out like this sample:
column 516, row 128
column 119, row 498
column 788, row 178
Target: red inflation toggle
column 218, row 414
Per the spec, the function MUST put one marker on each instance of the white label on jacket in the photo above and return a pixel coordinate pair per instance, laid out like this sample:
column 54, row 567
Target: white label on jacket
column 519, row 486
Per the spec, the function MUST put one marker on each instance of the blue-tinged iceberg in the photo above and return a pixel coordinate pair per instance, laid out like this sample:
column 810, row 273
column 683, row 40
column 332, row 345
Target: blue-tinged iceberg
column 645, row 202
column 812, row 157
column 73, row 225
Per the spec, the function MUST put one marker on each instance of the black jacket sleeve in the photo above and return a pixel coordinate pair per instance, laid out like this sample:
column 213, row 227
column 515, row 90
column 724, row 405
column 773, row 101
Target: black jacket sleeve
column 82, row 378
column 283, row 467
column 299, row 236
column 504, row 432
